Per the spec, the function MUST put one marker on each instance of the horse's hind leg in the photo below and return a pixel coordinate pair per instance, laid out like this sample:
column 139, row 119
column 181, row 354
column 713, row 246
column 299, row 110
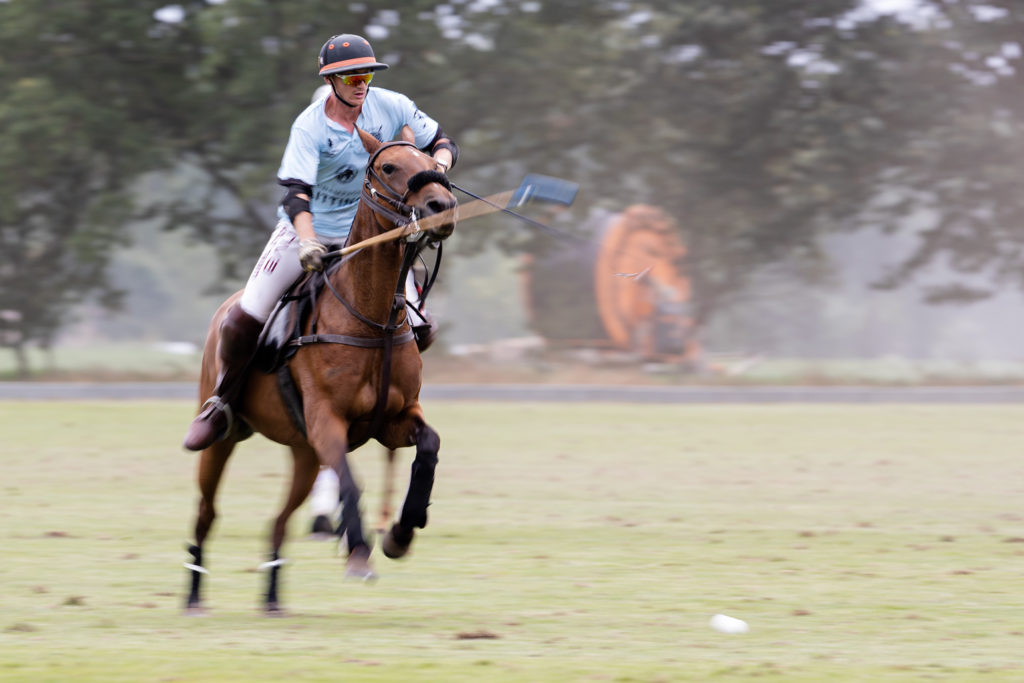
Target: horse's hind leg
column 388, row 492
column 304, row 471
column 211, row 468
column 421, row 481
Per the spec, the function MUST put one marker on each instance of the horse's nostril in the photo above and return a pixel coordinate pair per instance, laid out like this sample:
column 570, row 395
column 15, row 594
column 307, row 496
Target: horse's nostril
column 439, row 205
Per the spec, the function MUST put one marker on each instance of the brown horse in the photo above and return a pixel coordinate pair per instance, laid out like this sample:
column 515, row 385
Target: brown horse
column 359, row 379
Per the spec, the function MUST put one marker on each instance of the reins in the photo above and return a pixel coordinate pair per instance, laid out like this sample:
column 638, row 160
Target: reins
column 388, row 328
column 401, row 215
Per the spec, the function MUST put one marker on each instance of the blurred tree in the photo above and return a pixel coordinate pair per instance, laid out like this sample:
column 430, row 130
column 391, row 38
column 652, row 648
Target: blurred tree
column 73, row 77
column 758, row 124
column 240, row 71
column 960, row 167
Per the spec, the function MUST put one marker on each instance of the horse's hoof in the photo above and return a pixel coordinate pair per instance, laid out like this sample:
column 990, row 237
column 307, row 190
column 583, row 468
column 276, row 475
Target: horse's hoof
column 196, row 611
column 358, row 565
column 272, row 609
column 396, row 542
column 360, row 572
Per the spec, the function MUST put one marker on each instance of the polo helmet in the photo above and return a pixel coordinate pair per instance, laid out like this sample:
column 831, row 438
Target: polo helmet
column 347, row 52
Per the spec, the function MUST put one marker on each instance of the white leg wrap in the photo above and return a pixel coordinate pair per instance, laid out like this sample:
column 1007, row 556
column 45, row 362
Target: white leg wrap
column 273, row 563
column 326, row 493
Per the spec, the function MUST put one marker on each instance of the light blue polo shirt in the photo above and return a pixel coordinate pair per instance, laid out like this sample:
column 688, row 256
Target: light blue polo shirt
column 333, row 161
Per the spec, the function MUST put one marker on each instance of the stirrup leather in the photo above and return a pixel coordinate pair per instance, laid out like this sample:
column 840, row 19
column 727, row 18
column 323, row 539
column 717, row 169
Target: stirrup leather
column 224, row 407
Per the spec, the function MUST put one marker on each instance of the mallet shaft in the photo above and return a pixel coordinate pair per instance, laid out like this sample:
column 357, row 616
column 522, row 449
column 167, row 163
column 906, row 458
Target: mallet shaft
column 477, row 207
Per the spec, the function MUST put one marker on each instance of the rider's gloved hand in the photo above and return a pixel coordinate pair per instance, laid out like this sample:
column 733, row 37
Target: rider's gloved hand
column 311, row 255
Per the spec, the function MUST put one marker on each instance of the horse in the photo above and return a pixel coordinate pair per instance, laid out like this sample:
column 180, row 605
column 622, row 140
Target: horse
column 359, row 378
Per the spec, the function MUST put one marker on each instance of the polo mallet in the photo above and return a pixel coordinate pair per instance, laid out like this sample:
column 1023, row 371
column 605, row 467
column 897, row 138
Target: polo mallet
column 534, row 188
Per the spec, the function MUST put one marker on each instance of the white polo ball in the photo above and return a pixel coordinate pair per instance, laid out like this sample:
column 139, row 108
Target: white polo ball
column 725, row 624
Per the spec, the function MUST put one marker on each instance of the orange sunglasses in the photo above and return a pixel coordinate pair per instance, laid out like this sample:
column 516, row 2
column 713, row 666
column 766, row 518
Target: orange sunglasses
column 355, row 79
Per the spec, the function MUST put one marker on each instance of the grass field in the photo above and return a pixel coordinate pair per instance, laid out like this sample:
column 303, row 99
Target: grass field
column 566, row 543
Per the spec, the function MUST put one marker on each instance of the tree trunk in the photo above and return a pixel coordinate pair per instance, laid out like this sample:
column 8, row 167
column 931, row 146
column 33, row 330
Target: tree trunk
column 21, row 361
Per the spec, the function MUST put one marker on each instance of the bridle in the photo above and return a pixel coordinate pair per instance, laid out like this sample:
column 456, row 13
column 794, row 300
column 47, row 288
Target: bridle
column 391, row 205
column 388, row 203
column 385, row 201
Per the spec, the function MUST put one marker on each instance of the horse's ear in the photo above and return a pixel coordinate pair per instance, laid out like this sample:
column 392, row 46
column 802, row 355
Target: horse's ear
column 371, row 143
column 407, row 135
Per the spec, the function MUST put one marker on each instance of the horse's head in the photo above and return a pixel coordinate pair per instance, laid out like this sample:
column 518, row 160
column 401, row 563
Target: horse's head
column 404, row 184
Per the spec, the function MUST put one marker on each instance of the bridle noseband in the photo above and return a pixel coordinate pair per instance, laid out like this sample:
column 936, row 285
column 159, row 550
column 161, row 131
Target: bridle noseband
column 394, row 207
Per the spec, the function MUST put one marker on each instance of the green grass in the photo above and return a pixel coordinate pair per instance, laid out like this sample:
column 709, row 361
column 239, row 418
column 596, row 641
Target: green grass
column 586, row 542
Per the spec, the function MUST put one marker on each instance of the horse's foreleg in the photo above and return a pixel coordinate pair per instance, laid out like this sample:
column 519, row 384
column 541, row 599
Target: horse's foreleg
column 351, row 530
column 304, row 470
column 421, row 483
column 329, row 436
column 211, row 468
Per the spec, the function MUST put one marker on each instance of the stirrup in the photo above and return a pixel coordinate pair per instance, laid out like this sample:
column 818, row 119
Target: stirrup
column 224, row 407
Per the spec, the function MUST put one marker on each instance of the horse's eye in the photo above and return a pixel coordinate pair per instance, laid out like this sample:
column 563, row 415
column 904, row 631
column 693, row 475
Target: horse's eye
column 388, row 168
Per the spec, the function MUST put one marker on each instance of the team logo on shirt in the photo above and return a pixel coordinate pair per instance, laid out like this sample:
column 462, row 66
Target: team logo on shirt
column 345, row 175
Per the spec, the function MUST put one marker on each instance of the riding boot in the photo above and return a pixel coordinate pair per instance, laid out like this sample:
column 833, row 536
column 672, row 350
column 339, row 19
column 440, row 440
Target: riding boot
column 239, row 333
column 425, row 333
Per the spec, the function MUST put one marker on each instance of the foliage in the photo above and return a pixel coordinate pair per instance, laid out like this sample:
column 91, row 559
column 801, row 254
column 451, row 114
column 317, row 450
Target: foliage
column 759, row 125
column 242, row 71
column 961, row 168
column 71, row 75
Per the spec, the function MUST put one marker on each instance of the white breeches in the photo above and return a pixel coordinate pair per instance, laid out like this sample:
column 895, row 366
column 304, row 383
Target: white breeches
column 278, row 268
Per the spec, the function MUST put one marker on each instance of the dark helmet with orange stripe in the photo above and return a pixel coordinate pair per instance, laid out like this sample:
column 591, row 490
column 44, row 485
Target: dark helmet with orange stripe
column 347, row 52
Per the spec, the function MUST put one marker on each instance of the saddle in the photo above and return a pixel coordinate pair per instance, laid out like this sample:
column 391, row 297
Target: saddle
column 274, row 348
column 282, row 336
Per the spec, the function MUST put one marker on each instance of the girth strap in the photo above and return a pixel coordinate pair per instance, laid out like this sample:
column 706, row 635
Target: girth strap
column 362, row 342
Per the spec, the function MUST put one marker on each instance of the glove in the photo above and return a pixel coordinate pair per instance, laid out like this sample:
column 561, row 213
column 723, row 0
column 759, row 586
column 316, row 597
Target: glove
column 311, row 255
